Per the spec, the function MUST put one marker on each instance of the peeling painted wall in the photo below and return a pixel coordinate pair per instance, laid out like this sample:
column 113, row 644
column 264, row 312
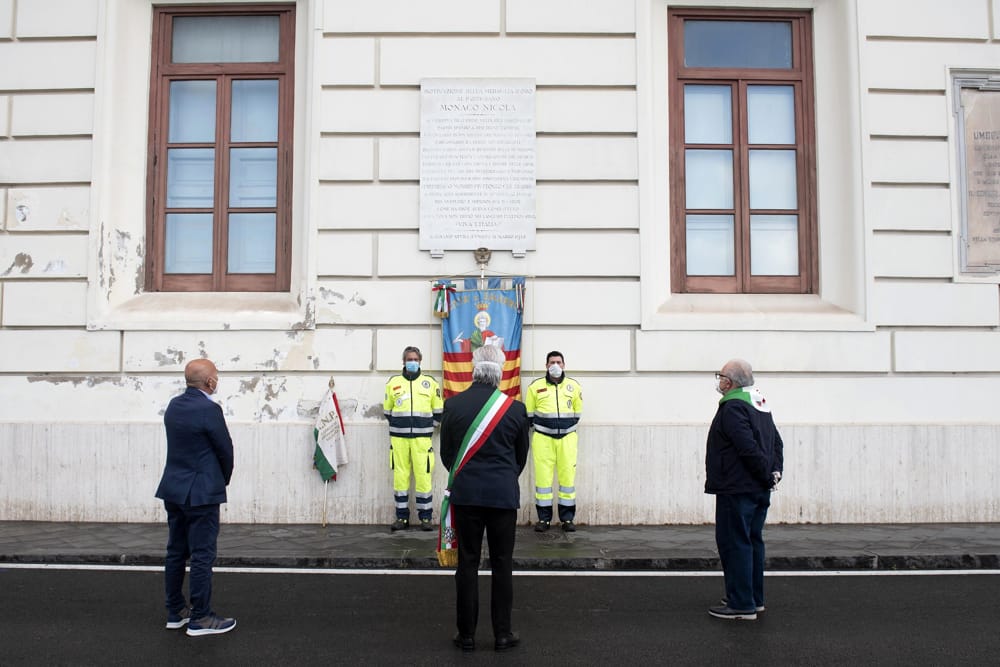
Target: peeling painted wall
column 627, row 475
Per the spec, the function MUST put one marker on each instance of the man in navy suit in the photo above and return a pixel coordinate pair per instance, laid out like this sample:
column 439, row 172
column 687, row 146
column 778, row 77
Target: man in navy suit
column 199, row 466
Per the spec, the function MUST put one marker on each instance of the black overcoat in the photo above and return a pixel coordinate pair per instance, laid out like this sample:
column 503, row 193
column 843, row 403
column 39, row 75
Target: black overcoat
column 489, row 479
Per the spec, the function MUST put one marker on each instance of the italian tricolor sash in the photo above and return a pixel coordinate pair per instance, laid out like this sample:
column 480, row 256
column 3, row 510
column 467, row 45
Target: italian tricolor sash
column 482, row 427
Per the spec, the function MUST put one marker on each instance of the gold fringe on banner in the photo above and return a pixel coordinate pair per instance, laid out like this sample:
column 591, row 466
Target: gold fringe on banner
column 448, row 558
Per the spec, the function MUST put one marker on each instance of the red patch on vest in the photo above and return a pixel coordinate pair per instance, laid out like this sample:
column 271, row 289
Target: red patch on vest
column 398, row 386
column 542, row 390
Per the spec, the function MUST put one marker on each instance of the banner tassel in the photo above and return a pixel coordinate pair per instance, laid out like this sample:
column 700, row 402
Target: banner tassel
column 444, row 289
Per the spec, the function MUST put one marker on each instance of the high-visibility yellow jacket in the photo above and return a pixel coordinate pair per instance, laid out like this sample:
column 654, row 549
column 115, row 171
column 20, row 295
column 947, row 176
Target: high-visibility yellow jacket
column 554, row 409
column 413, row 407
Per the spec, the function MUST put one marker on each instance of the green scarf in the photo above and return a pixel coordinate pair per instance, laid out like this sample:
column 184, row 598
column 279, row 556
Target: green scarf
column 750, row 395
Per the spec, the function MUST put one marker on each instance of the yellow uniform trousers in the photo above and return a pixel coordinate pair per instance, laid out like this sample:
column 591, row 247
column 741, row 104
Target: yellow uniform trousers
column 416, row 455
column 554, row 457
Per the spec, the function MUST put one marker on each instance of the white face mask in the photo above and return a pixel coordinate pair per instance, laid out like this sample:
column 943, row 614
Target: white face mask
column 555, row 371
column 718, row 388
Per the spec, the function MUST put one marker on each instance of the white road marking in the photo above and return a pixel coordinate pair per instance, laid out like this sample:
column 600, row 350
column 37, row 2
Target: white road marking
column 519, row 573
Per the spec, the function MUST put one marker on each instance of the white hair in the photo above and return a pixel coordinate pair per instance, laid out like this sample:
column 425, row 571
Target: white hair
column 487, row 364
column 740, row 372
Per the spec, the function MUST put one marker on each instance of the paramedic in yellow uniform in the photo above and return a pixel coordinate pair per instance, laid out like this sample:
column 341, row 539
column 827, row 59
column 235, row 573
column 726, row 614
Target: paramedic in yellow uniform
column 413, row 406
column 554, row 403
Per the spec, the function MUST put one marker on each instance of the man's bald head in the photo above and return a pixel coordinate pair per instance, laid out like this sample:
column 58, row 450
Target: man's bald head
column 201, row 374
column 739, row 372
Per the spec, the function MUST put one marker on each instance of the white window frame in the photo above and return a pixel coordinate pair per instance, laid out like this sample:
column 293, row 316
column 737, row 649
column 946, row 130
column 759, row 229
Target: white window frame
column 116, row 296
column 845, row 279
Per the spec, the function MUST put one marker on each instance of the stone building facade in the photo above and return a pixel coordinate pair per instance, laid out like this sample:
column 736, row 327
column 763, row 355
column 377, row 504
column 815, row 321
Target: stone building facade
column 881, row 366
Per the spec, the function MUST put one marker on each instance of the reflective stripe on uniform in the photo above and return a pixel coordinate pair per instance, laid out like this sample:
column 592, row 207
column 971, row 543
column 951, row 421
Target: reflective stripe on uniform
column 554, row 432
column 415, row 420
column 414, row 413
column 557, row 415
column 411, row 432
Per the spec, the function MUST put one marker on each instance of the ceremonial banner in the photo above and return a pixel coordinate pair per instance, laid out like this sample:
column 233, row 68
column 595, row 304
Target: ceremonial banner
column 330, row 451
column 473, row 317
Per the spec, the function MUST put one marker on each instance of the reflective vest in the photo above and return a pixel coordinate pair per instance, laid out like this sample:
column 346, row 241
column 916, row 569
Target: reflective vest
column 554, row 409
column 413, row 407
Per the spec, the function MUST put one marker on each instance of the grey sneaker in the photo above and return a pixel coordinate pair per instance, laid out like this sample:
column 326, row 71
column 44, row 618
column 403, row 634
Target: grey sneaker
column 399, row 524
column 542, row 526
column 178, row 619
column 210, row 625
column 725, row 603
column 425, row 524
column 726, row 613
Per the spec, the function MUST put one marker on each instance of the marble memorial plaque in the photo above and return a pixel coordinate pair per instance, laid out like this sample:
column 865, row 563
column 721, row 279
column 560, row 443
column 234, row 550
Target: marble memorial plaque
column 477, row 164
column 982, row 178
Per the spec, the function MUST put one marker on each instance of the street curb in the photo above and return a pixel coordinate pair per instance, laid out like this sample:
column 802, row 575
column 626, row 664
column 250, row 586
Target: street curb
column 667, row 548
column 643, row 564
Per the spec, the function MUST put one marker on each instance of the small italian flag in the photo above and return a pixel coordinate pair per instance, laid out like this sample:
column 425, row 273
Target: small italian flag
column 331, row 442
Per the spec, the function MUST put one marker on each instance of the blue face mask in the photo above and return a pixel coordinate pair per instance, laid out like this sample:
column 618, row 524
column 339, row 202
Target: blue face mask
column 411, row 366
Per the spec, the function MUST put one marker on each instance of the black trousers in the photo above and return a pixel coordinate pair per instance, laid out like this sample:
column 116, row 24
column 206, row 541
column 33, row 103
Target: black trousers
column 499, row 525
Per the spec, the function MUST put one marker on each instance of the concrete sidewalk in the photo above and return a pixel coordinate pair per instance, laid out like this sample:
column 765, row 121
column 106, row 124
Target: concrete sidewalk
column 634, row 548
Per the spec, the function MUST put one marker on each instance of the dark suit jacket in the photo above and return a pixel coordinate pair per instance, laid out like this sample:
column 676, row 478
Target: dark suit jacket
column 489, row 479
column 199, row 451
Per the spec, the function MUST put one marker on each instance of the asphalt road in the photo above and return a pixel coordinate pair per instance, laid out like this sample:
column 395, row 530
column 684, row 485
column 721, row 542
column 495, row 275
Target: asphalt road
column 54, row 617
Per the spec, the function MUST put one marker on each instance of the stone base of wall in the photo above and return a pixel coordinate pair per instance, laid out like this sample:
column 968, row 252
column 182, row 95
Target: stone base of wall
column 628, row 475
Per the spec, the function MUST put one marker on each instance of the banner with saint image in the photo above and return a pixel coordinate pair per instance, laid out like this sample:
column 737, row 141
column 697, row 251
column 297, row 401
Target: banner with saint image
column 480, row 312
